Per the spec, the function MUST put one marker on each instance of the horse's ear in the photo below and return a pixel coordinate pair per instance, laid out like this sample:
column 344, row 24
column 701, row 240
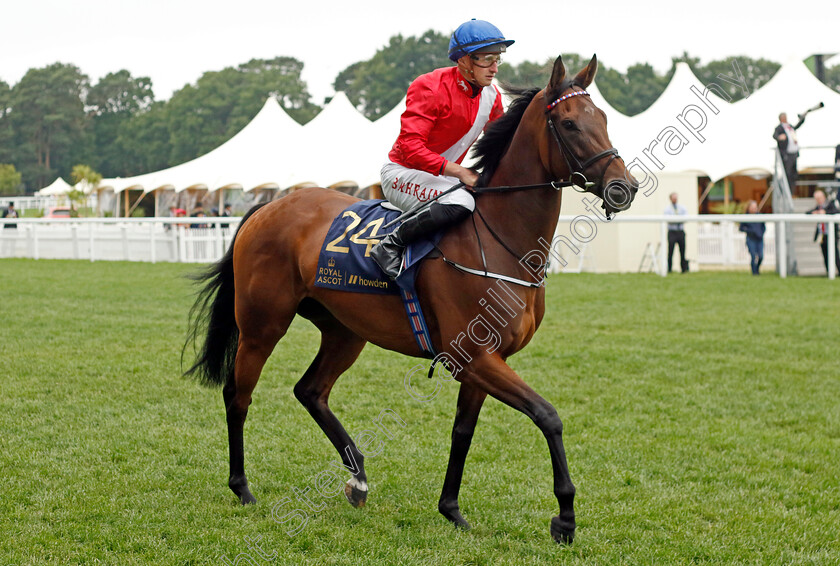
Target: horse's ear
column 558, row 74
column 586, row 76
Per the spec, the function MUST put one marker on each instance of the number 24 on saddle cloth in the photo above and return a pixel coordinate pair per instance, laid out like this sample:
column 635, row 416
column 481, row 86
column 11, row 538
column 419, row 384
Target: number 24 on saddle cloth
column 344, row 263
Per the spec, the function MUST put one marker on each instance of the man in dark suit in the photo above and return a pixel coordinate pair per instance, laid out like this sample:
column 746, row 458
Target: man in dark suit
column 785, row 136
column 10, row 212
column 825, row 206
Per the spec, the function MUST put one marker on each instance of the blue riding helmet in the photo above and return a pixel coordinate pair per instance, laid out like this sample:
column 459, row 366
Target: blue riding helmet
column 475, row 35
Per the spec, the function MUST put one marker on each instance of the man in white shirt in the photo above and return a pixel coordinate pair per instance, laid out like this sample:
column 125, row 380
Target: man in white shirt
column 676, row 233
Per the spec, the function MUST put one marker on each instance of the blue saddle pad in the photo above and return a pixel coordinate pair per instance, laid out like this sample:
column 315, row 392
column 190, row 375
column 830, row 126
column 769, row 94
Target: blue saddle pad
column 344, row 263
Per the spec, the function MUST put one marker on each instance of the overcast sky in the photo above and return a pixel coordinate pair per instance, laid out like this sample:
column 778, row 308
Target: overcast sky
column 175, row 41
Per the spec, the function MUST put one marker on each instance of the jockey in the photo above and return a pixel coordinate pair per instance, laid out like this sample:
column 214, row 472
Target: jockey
column 446, row 111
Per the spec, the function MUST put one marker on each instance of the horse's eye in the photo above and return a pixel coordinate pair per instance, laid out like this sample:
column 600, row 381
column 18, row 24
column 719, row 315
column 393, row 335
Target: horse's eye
column 569, row 125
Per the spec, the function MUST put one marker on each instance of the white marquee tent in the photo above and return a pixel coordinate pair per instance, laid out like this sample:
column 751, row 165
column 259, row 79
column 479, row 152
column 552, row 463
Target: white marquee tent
column 262, row 153
column 338, row 144
column 57, row 187
column 685, row 129
column 689, row 128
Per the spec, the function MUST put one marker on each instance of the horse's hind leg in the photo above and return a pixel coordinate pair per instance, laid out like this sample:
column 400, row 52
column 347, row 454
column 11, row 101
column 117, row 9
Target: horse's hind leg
column 261, row 325
column 339, row 349
column 470, row 400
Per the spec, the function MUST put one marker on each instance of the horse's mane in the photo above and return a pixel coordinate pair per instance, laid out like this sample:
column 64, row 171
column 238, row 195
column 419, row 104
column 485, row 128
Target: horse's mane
column 489, row 150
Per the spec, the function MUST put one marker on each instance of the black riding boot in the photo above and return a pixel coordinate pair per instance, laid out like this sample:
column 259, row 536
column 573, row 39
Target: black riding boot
column 389, row 251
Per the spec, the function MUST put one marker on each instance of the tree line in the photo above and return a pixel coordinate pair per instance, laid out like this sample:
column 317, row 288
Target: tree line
column 55, row 117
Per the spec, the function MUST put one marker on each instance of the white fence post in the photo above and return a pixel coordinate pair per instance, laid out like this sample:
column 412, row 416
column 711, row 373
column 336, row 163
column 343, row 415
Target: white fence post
column 74, row 229
column 220, row 244
column 729, row 239
column 152, row 251
column 182, row 245
column 124, row 231
column 781, row 252
column 90, row 241
column 832, row 250
column 663, row 249
column 35, row 250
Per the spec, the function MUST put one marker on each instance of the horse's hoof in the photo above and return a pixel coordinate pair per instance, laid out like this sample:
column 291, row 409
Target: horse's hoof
column 247, row 498
column 240, row 488
column 453, row 515
column 357, row 497
column 561, row 531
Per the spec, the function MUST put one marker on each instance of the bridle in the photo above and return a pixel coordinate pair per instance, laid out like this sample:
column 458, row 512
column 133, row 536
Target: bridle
column 577, row 180
column 576, row 168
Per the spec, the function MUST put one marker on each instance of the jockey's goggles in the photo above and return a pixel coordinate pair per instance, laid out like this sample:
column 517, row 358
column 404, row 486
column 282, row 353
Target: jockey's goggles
column 486, row 60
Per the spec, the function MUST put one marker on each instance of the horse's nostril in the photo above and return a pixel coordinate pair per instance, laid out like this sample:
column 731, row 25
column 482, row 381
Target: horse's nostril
column 618, row 195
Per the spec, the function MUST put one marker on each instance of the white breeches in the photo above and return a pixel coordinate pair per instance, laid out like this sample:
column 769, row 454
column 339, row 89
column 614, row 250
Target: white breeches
column 406, row 188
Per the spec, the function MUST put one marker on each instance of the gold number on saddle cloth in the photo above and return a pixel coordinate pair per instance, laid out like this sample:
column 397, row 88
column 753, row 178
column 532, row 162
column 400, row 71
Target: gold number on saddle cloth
column 332, row 246
column 370, row 241
column 356, row 237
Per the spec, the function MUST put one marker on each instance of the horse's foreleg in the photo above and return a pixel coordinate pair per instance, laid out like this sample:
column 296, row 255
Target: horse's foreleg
column 494, row 376
column 339, row 349
column 470, row 400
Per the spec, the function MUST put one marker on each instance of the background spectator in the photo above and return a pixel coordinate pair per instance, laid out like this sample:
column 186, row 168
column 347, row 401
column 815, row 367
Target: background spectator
column 785, row 136
column 10, row 212
column 676, row 233
column 755, row 237
column 825, row 206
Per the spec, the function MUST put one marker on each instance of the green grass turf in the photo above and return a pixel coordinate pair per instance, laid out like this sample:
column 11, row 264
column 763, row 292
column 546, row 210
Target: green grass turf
column 701, row 412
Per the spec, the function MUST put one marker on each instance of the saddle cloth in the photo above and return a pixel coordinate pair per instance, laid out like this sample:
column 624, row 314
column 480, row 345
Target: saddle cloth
column 344, row 263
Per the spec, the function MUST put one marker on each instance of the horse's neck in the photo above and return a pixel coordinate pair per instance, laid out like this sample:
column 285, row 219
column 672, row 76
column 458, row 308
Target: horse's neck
column 526, row 215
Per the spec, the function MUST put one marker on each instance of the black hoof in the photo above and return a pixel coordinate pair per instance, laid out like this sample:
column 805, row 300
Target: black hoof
column 240, row 488
column 246, row 498
column 562, row 531
column 453, row 515
column 355, row 496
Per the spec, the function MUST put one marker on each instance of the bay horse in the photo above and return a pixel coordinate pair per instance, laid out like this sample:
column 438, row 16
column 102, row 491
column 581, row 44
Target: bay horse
column 267, row 277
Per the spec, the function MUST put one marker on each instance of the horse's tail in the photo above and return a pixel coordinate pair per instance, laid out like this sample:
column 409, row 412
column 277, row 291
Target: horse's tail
column 213, row 313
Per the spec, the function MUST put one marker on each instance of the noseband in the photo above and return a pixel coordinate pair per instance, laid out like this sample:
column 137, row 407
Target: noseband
column 576, row 168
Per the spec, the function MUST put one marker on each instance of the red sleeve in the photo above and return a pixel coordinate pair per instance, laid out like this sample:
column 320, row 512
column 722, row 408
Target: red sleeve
column 421, row 112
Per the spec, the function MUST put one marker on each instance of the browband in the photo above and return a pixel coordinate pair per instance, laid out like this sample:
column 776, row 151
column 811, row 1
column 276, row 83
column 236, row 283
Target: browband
column 564, row 97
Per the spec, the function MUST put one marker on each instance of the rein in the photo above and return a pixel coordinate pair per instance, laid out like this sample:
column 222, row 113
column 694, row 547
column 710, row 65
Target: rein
column 556, row 185
column 579, row 181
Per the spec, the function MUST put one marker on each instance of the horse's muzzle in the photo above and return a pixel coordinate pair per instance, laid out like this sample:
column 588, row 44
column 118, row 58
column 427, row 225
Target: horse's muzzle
column 618, row 195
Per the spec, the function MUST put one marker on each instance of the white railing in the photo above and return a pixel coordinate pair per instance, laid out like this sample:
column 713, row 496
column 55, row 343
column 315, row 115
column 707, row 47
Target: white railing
column 42, row 203
column 173, row 239
column 779, row 221
column 722, row 243
column 191, row 240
